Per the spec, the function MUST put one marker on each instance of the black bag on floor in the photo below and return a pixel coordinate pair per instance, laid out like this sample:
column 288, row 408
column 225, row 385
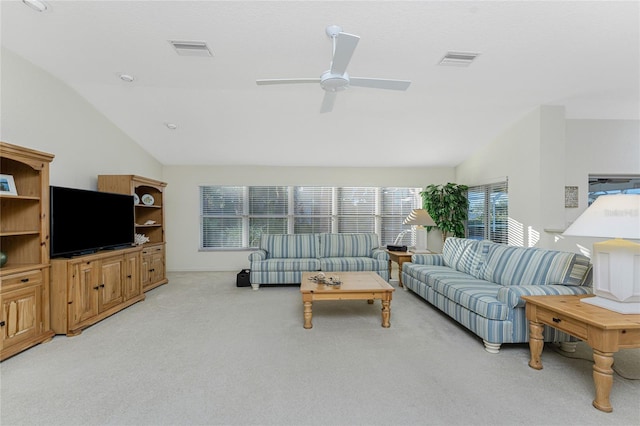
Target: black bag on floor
column 243, row 278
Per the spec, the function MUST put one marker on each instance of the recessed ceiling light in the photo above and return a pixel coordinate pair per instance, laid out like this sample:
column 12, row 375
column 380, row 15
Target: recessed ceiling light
column 171, row 126
column 126, row 77
column 37, row 5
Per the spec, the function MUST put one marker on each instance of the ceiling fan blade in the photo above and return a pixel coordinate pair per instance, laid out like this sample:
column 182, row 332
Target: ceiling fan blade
column 328, row 101
column 344, row 46
column 286, row 81
column 379, row 83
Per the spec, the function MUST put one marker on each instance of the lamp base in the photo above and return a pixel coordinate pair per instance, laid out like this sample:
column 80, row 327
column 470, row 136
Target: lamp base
column 612, row 305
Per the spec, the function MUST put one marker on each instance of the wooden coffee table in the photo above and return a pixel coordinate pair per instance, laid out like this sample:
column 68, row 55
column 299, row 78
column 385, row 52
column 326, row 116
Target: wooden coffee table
column 604, row 330
column 367, row 286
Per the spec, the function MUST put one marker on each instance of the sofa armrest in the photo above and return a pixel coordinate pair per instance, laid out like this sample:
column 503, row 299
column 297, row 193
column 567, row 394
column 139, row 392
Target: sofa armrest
column 428, row 259
column 380, row 254
column 511, row 295
column 258, row 255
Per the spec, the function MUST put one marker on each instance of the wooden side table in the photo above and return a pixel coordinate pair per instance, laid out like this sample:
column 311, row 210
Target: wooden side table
column 399, row 257
column 604, row 330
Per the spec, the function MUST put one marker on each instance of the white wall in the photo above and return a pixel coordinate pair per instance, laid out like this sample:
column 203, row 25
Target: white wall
column 183, row 202
column 42, row 113
column 541, row 154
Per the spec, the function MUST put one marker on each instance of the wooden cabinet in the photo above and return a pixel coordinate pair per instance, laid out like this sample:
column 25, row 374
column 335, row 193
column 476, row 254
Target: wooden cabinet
column 149, row 217
column 24, row 239
column 87, row 289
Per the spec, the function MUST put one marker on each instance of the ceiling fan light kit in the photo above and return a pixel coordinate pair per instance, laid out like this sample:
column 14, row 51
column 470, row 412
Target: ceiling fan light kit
column 336, row 78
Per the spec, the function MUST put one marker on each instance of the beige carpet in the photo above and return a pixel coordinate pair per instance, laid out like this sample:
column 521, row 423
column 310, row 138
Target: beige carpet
column 202, row 351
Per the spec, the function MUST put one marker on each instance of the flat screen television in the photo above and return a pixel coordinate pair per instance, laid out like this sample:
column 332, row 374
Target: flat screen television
column 83, row 221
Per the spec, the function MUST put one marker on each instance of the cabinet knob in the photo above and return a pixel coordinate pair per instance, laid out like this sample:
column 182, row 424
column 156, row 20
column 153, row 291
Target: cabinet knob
column 101, row 285
column 97, row 287
column 129, row 276
column 24, row 280
column 2, row 323
column 556, row 320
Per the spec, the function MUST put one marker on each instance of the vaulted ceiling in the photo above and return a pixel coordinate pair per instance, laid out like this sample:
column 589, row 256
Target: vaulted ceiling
column 581, row 55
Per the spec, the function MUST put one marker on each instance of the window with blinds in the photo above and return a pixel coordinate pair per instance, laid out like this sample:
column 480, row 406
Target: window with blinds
column 234, row 217
column 488, row 216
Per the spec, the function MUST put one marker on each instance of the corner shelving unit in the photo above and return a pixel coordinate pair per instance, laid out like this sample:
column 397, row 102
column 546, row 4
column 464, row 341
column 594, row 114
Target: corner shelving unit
column 24, row 238
column 149, row 219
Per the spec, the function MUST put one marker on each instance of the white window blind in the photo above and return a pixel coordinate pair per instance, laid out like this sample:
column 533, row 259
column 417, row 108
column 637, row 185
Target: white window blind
column 356, row 209
column 488, row 216
column 396, row 205
column 234, row 217
column 222, row 208
column 312, row 209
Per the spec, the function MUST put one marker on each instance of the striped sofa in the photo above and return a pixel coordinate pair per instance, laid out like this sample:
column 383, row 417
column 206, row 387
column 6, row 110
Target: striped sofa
column 479, row 284
column 281, row 259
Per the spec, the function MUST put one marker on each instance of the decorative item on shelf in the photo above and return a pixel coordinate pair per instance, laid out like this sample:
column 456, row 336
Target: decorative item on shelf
column 150, row 222
column 616, row 282
column 7, row 185
column 136, row 199
column 420, row 218
column 3, row 259
column 141, row 239
column 148, row 200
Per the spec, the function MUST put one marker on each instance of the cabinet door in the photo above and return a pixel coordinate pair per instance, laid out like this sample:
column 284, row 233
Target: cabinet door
column 21, row 315
column 157, row 267
column 131, row 283
column 111, row 277
column 83, row 292
column 145, row 269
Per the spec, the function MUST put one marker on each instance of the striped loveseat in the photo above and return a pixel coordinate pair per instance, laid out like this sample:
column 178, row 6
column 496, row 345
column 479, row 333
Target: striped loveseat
column 479, row 284
column 281, row 259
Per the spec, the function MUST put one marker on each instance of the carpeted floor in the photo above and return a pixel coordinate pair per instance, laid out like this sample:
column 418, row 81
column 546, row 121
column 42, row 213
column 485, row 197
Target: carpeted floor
column 202, row 351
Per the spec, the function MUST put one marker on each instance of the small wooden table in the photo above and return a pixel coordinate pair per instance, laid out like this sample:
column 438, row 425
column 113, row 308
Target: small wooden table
column 604, row 330
column 399, row 257
column 367, row 286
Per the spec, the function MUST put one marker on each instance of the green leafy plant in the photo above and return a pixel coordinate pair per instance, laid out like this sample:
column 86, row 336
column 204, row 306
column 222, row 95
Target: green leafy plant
column 447, row 205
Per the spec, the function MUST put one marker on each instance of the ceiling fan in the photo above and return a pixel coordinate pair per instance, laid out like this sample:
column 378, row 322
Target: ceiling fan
column 336, row 78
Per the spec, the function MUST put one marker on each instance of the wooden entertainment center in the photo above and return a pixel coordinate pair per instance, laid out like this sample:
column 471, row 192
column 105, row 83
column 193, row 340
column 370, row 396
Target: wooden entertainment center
column 24, row 239
column 40, row 297
column 87, row 289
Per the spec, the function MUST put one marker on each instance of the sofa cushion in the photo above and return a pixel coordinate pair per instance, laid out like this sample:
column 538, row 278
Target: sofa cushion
column 281, row 246
column 286, row 265
column 478, row 296
column 508, row 265
column 348, row 245
column 353, row 264
column 464, row 255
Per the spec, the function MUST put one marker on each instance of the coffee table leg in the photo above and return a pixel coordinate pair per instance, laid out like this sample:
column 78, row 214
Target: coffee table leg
column 536, row 343
column 307, row 315
column 386, row 313
column 603, row 379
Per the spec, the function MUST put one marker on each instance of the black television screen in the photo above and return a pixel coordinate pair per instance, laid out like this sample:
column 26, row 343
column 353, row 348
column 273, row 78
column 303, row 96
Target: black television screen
column 85, row 221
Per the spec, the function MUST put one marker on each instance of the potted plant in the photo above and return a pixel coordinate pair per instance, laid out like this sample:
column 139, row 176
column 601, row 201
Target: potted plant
column 447, row 205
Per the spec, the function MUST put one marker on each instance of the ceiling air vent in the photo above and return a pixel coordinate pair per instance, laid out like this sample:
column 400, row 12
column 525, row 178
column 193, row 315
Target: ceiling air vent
column 458, row 59
column 191, row 48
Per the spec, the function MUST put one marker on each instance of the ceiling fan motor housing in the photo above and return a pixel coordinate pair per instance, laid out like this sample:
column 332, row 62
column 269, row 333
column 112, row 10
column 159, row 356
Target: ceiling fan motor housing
column 334, row 82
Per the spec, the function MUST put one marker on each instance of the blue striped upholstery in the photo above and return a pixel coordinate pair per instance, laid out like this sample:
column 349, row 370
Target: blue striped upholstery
column 348, row 245
column 289, row 246
column 480, row 284
column 281, row 258
column 511, row 294
column 507, row 265
column 464, row 255
column 427, row 259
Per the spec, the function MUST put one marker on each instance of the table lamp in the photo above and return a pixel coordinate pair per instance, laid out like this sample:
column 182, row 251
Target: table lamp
column 616, row 262
column 420, row 218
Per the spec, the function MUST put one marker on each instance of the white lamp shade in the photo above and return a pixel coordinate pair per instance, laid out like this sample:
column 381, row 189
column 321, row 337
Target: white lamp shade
column 610, row 216
column 419, row 217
